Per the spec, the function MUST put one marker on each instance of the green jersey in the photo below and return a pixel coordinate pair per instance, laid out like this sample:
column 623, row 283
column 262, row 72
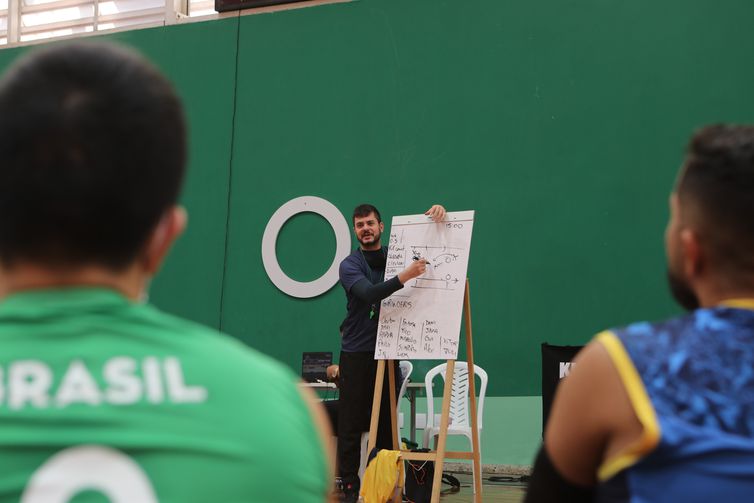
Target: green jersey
column 103, row 399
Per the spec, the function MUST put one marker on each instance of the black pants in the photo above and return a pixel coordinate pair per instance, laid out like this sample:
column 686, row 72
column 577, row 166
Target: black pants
column 357, row 376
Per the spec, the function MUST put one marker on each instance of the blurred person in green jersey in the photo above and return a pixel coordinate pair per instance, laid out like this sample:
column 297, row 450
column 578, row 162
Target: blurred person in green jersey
column 103, row 397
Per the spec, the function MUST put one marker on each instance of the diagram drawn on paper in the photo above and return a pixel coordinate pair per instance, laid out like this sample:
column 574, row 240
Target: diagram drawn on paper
column 422, row 321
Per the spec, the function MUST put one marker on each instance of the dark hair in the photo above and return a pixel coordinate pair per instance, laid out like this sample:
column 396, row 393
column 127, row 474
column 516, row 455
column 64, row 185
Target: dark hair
column 92, row 154
column 363, row 210
column 718, row 181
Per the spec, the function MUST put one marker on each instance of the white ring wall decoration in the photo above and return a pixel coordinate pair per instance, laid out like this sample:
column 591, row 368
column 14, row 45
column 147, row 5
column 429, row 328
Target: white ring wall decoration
column 339, row 225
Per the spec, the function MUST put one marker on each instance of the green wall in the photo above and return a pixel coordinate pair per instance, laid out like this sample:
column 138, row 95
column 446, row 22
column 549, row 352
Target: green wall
column 191, row 281
column 561, row 123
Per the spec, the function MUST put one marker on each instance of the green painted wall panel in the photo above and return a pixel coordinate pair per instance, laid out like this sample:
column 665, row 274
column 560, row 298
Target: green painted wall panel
column 200, row 59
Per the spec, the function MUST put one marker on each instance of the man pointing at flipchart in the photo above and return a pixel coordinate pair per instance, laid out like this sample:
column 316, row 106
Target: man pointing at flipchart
column 362, row 275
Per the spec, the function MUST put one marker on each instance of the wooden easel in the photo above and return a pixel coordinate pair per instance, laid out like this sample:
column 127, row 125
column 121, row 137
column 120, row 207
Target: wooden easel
column 439, row 455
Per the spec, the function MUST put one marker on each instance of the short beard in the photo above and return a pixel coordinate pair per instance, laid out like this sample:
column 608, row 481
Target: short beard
column 375, row 240
column 681, row 292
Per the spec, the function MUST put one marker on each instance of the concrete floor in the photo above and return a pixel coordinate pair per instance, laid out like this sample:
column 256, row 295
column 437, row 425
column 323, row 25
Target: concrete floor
column 495, row 488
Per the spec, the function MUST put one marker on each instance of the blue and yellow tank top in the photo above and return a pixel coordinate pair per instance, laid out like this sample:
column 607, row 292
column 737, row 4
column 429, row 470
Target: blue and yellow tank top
column 691, row 382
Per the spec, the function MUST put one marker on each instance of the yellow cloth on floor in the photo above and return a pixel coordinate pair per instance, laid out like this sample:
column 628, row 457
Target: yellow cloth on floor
column 380, row 477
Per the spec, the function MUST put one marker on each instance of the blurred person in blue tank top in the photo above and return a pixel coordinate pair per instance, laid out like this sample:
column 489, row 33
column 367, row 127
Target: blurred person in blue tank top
column 664, row 412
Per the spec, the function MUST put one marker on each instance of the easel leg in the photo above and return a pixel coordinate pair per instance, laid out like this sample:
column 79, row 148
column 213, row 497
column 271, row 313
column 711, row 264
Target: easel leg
column 376, row 406
column 376, row 402
column 477, row 462
column 393, row 406
column 443, row 434
column 397, row 496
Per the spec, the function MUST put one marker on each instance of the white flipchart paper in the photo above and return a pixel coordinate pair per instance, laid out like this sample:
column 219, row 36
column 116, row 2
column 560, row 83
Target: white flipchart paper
column 422, row 321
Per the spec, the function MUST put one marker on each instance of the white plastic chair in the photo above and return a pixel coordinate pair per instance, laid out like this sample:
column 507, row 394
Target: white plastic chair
column 459, row 422
column 406, row 367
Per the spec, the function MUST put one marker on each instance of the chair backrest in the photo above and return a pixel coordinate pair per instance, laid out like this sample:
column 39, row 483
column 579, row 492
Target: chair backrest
column 459, row 394
column 406, row 368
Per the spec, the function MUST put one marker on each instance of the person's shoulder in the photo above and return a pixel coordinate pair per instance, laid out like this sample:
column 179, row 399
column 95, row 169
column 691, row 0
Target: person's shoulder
column 351, row 263
column 217, row 347
column 157, row 318
column 642, row 333
column 352, row 258
column 257, row 398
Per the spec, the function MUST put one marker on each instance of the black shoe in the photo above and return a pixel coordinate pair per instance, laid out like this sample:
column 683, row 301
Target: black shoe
column 338, row 489
column 350, row 493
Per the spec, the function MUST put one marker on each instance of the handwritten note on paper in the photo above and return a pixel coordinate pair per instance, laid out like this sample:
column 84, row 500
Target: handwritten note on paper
column 422, row 321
